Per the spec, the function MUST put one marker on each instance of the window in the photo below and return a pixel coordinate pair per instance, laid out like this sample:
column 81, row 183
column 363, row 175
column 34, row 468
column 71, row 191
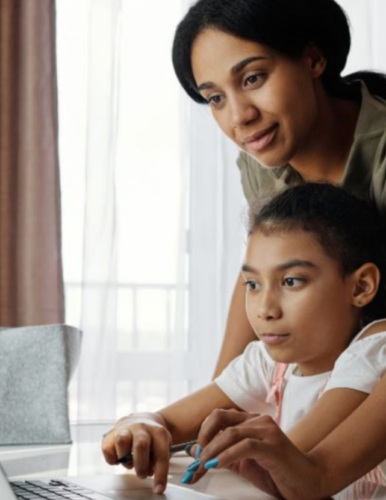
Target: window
column 104, row 77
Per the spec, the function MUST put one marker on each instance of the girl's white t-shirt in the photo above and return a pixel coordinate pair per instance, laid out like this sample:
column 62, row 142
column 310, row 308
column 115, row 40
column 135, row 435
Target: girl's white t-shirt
column 248, row 379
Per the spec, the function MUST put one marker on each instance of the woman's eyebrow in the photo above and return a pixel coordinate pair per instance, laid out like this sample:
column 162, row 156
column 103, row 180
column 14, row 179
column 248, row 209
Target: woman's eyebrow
column 241, row 65
column 281, row 267
column 234, row 70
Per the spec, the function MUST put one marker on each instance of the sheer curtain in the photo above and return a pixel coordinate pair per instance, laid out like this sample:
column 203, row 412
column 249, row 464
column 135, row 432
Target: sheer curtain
column 368, row 34
column 140, row 280
column 152, row 204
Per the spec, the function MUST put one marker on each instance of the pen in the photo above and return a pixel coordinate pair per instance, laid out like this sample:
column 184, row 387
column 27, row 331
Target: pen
column 173, row 449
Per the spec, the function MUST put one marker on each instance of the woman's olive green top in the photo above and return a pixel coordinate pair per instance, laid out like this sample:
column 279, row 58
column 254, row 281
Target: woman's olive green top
column 365, row 171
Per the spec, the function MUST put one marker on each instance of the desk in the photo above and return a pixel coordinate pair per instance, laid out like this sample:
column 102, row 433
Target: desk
column 84, row 458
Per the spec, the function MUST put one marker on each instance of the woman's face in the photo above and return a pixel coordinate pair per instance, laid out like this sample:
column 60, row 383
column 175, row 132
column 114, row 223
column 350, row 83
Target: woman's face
column 265, row 102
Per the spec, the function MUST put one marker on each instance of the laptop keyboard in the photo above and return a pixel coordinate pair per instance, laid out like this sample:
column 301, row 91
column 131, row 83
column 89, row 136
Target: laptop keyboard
column 53, row 490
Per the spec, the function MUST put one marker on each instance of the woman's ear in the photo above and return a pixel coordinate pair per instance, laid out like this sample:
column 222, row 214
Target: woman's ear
column 365, row 284
column 315, row 60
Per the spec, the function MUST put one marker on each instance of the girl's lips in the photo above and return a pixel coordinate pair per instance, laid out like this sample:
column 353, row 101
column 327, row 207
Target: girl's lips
column 256, row 145
column 273, row 339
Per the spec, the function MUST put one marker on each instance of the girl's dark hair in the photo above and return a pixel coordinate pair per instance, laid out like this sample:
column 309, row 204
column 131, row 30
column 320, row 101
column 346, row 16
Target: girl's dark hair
column 286, row 26
column 347, row 228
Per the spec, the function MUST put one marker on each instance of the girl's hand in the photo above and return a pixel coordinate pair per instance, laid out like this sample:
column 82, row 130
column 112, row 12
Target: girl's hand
column 145, row 436
column 260, row 452
column 215, row 424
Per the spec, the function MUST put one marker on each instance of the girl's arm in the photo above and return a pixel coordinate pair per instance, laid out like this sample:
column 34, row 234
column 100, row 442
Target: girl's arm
column 148, row 436
column 238, row 332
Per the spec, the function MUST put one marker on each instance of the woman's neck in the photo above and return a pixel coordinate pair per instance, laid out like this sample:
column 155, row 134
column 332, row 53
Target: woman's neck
column 325, row 155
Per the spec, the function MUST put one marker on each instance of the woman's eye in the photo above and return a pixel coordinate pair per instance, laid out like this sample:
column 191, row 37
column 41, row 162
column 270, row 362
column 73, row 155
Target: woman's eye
column 256, row 78
column 292, row 282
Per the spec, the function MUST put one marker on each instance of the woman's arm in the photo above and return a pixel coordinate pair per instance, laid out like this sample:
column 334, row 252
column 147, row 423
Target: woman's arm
column 337, row 404
column 328, row 412
column 357, row 445
column 238, row 332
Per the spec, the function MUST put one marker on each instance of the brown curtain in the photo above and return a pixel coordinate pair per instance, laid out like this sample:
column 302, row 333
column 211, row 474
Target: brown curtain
column 31, row 281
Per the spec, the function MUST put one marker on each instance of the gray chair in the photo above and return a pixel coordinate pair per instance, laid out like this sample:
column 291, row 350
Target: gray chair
column 36, row 365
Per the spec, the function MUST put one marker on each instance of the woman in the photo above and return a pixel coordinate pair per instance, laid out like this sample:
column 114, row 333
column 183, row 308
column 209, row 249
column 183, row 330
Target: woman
column 292, row 115
column 271, row 72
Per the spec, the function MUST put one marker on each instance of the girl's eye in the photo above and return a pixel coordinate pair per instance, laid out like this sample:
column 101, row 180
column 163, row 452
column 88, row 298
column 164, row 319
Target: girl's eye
column 251, row 285
column 256, row 78
column 214, row 100
column 292, row 282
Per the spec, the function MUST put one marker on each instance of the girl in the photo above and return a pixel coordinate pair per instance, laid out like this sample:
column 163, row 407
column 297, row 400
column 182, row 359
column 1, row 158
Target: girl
column 312, row 280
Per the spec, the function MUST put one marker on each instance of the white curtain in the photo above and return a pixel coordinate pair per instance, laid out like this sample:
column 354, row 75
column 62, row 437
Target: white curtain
column 368, row 34
column 152, row 204
column 151, row 242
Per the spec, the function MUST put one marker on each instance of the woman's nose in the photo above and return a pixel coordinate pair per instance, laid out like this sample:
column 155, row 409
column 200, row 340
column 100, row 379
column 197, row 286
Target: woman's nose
column 242, row 110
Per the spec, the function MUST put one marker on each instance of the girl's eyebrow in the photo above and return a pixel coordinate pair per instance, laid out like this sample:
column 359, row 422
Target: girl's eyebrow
column 234, row 70
column 281, row 267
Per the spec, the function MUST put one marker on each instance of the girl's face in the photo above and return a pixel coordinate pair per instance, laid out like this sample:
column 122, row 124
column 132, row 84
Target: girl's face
column 297, row 300
column 265, row 102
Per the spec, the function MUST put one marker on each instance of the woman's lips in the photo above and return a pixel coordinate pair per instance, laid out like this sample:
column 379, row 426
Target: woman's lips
column 261, row 140
column 273, row 338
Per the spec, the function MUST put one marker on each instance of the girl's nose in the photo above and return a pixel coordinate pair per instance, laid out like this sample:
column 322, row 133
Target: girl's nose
column 242, row 110
column 268, row 308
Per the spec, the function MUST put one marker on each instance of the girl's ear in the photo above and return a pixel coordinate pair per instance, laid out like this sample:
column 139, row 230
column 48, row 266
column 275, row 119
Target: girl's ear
column 365, row 284
column 315, row 60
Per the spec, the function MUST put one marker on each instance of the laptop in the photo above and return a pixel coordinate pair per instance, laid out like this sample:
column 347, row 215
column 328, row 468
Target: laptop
column 114, row 487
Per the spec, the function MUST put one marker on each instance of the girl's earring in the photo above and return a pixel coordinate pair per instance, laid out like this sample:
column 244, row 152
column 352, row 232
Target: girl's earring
column 359, row 303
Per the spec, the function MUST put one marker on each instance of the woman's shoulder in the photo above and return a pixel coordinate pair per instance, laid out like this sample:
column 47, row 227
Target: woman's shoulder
column 372, row 116
column 366, row 168
column 258, row 181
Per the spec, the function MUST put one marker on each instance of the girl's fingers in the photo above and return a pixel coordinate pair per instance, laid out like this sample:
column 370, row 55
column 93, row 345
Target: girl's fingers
column 109, row 451
column 238, row 458
column 219, row 420
column 264, row 455
column 116, row 444
column 220, row 430
column 258, row 428
column 123, row 442
column 161, row 457
column 141, row 447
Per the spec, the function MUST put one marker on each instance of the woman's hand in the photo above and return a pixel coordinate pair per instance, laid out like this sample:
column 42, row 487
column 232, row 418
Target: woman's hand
column 146, row 437
column 255, row 448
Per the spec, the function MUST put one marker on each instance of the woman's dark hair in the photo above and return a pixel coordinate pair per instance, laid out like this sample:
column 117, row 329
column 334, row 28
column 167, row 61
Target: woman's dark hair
column 286, row 26
column 347, row 228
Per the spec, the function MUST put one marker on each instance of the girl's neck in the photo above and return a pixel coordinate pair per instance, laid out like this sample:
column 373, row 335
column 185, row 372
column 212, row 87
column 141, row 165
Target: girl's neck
column 325, row 155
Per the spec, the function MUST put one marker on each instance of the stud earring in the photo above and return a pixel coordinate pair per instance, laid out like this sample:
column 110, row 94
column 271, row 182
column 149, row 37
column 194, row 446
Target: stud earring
column 359, row 303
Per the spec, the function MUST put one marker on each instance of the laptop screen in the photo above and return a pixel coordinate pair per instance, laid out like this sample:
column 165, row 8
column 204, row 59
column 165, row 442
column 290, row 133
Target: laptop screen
column 6, row 492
